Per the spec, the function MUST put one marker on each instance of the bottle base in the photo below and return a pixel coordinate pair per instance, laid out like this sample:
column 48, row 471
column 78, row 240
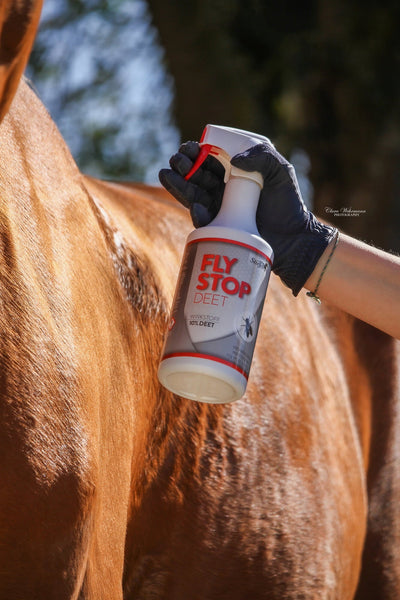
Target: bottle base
column 201, row 379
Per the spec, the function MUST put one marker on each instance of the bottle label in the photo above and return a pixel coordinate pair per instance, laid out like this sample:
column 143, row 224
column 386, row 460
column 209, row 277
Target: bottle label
column 218, row 302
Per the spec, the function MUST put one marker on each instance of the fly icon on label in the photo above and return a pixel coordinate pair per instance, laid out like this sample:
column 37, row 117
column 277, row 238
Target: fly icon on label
column 247, row 327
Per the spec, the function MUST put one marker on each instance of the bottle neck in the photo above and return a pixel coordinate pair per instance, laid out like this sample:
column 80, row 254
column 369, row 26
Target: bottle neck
column 239, row 205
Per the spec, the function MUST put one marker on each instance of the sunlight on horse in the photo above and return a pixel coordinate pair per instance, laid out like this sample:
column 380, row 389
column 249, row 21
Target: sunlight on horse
column 112, row 488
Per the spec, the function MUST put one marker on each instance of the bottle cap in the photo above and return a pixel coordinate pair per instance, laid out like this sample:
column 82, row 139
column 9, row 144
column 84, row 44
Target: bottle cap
column 224, row 143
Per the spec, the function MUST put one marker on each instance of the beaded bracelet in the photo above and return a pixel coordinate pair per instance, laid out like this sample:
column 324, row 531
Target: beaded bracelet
column 313, row 294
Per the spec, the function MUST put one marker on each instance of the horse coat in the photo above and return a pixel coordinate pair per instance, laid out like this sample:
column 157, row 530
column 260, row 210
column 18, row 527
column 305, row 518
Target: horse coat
column 112, row 487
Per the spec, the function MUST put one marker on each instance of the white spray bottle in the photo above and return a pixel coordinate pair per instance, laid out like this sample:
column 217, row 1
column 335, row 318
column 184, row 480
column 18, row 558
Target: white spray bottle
column 221, row 287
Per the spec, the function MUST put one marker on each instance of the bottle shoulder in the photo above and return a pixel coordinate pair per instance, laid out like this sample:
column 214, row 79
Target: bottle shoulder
column 228, row 234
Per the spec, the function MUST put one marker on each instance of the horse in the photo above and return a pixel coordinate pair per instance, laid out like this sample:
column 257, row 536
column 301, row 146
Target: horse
column 112, row 487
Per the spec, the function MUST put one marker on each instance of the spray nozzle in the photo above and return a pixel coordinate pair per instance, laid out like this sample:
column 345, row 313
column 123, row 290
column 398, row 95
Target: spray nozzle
column 223, row 143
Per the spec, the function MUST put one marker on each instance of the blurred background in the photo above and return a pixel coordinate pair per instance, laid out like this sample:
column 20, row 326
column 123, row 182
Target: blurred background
column 127, row 80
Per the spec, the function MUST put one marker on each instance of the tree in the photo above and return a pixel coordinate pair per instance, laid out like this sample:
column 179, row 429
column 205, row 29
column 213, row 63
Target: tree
column 322, row 75
column 97, row 65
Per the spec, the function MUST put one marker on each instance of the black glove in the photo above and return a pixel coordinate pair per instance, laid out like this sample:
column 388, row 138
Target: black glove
column 202, row 194
column 297, row 238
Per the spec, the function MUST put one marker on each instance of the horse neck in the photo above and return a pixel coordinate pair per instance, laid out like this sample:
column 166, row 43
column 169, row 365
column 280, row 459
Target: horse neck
column 55, row 215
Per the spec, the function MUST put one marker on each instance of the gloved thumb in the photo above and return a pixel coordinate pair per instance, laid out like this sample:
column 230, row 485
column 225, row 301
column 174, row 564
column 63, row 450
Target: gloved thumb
column 263, row 158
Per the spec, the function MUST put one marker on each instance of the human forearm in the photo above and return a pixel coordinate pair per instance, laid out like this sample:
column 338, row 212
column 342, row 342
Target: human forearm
column 363, row 281
column 359, row 279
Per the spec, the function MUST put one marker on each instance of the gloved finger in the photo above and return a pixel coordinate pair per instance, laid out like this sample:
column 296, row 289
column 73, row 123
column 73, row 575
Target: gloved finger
column 206, row 179
column 192, row 149
column 176, row 185
column 184, row 191
column 180, row 163
column 200, row 215
column 213, row 165
column 202, row 177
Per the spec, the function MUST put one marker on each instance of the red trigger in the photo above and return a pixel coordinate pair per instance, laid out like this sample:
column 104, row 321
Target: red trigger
column 204, row 152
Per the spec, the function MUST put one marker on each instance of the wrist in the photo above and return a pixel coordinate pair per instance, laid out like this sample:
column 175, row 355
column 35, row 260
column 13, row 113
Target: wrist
column 313, row 283
column 301, row 252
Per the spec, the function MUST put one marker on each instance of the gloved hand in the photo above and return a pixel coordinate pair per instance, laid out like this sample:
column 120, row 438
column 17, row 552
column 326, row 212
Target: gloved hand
column 203, row 193
column 297, row 238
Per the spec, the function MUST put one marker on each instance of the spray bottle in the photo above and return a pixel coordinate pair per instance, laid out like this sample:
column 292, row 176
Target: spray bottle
column 221, row 286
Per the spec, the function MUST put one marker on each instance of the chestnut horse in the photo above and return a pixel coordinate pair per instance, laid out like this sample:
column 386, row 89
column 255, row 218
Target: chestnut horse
column 111, row 487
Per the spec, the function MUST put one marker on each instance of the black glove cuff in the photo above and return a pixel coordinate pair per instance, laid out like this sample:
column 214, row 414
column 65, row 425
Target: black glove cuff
column 305, row 250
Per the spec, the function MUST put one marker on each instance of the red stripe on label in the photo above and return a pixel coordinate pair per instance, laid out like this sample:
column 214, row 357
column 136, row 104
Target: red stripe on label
column 206, row 356
column 231, row 242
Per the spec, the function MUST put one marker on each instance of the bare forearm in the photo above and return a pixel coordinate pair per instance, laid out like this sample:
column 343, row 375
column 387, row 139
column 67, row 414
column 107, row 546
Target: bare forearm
column 362, row 281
